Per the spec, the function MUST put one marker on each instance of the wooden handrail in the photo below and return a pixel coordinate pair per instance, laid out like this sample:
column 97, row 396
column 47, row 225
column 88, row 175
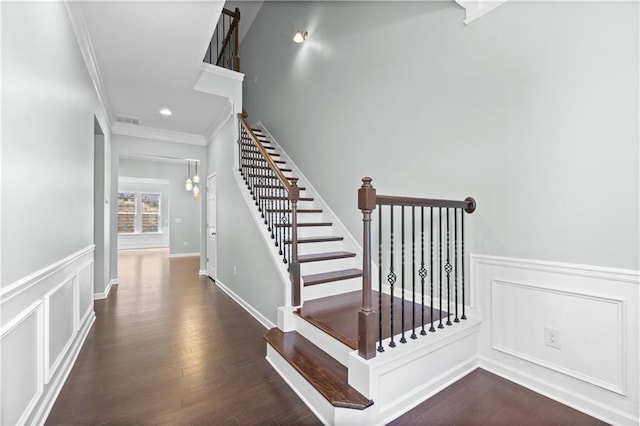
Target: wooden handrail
column 469, row 204
column 293, row 194
column 283, row 179
column 231, row 13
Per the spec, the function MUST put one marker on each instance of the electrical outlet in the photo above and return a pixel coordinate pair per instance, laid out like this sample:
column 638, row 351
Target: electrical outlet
column 552, row 337
column 235, row 271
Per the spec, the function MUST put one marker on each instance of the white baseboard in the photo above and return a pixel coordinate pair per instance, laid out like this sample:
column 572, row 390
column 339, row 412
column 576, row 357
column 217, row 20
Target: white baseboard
column 174, row 255
column 268, row 324
column 114, row 281
column 56, row 386
column 105, row 293
column 202, row 272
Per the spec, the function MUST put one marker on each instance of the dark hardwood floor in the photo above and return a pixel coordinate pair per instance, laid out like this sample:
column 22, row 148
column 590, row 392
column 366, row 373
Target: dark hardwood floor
column 169, row 347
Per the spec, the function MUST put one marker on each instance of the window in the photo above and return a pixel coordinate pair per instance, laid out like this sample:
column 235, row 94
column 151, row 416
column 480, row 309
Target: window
column 150, row 212
column 126, row 212
column 138, row 212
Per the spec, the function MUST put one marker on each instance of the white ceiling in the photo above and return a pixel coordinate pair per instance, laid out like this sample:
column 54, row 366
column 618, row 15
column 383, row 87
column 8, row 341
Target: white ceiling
column 149, row 55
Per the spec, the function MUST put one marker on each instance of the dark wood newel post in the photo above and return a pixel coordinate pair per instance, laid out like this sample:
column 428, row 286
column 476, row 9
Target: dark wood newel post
column 294, row 266
column 367, row 316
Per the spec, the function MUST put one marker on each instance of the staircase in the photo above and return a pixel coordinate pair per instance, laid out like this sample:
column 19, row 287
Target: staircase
column 314, row 347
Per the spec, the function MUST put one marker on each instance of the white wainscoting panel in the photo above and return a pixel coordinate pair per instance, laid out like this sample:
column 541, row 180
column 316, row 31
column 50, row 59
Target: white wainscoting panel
column 21, row 351
column 594, row 310
column 41, row 333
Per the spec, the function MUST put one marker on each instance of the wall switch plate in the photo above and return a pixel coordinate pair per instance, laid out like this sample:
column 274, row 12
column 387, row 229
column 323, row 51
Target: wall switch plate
column 177, row 220
column 186, row 243
column 552, row 337
column 235, row 271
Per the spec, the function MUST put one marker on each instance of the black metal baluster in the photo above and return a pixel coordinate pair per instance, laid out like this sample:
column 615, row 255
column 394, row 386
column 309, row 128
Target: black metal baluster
column 413, row 272
column 276, row 215
column 464, row 302
column 447, row 269
column 287, row 230
column 392, row 279
column 422, row 272
column 432, row 328
column 440, row 260
column 402, row 339
column 380, row 347
column 455, row 260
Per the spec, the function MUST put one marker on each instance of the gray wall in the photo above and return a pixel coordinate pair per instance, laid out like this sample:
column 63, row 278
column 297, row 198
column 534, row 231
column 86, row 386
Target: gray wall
column 176, row 201
column 48, row 107
column 239, row 243
column 101, row 207
column 533, row 110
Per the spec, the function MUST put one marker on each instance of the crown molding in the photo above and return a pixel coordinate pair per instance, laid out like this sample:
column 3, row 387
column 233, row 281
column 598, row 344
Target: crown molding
column 125, row 129
column 76, row 16
column 474, row 9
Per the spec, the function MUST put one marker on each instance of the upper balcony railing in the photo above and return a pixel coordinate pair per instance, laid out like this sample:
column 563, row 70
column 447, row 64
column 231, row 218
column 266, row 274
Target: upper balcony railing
column 224, row 46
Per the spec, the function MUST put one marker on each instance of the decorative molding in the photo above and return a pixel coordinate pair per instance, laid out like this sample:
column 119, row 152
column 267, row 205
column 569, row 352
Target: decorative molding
column 23, row 284
column 222, row 72
column 578, row 270
column 56, row 386
column 35, row 307
column 474, row 9
column 619, row 387
column 49, row 367
column 76, row 16
column 163, row 135
column 266, row 323
column 566, row 292
column 174, row 255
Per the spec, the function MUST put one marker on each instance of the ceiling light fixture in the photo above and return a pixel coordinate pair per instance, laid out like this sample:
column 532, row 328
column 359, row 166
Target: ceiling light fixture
column 188, row 185
column 166, row 111
column 300, row 36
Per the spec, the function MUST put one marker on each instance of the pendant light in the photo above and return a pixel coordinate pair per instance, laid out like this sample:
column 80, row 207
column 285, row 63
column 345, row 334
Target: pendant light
column 196, row 193
column 188, row 185
column 196, row 178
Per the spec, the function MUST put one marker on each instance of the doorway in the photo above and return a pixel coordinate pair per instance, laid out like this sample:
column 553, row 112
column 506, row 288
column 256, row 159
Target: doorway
column 212, row 237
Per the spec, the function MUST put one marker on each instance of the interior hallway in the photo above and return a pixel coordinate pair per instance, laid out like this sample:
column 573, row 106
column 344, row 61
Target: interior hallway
column 169, row 347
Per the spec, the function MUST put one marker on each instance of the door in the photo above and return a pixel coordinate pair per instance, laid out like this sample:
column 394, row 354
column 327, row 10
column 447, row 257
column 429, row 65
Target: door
column 211, row 227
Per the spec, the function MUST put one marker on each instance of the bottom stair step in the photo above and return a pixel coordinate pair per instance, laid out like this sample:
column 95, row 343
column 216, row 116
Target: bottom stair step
column 325, row 374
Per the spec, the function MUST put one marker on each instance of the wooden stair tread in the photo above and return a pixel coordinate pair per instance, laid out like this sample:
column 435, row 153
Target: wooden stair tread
column 299, row 210
column 316, row 240
column 272, row 197
column 317, row 257
column 325, row 374
column 260, row 185
column 327, row 277
column 275, row 161
column 302, row 224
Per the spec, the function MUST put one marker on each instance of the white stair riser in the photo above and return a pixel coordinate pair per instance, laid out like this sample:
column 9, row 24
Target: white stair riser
column 328, row 344
column 323, row 247
column 330, row 289
column 328, row 265
column 314, row 231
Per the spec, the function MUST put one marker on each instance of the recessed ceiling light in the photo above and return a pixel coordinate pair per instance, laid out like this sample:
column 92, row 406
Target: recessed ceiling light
column 165, row 111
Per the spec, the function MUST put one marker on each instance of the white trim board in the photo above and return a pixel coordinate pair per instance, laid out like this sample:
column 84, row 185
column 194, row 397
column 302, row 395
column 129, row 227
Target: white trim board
column 174, row 255
column 105, row 293
column 266, row 323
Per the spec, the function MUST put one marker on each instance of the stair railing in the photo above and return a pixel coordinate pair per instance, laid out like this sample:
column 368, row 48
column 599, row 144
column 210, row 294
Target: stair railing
column 276, row 197
column 400, row 314
column 224, row 47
